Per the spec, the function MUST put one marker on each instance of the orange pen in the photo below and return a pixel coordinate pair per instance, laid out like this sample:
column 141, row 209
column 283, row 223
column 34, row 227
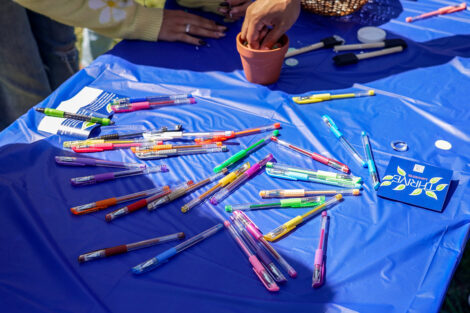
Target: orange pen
column 106, row 203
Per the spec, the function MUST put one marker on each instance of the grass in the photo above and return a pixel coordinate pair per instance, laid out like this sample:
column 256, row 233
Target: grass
column 457, row 297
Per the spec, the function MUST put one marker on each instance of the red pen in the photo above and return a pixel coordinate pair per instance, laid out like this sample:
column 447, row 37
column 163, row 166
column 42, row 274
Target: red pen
column 444, row 10
column 239, row 133
column 143, row 202
column 317, row 157
column 213, row 139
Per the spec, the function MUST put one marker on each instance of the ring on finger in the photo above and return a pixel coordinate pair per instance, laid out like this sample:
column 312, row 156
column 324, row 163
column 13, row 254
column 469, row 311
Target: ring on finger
column 188, row 28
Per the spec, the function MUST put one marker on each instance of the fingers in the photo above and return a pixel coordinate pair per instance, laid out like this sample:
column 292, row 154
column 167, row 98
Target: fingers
column 263, row 33
column 234, row 3
column 201, row 31
column 191, row 40
column 253, row 34
column 201, row 22
column 271, row 38
column 234, row 9
column 239, row 11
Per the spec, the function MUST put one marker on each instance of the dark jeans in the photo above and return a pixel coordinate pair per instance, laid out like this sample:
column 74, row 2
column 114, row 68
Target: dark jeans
column 37, row 54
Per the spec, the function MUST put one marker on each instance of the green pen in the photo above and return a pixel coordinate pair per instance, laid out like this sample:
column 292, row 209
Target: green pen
column 243, row 153
column 283, row 203
column 75, row 116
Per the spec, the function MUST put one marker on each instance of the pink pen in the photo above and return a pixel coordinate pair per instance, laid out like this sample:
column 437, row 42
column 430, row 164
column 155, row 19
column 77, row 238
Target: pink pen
column 444, row 10
column 255, row 232
column 135, row 106
column 258, row 268
column 319, row 265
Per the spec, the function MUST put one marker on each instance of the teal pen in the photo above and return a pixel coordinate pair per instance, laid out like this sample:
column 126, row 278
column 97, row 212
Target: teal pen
column 339, row 135
column 280, row 173
column 370, row 160
column 317, row 174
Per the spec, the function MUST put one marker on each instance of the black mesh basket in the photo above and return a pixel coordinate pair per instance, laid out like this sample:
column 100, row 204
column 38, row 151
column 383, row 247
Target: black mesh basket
column 333, row 7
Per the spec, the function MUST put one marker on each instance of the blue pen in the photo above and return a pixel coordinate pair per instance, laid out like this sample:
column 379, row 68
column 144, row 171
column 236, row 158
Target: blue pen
column 370, row 160
column 282, row 173
column 165, row 256
column 339, row 135
column 151, row 99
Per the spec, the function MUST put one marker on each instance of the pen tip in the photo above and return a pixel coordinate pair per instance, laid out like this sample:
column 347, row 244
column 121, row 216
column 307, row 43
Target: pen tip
column 81, row 259
column 39, row 109
column 112, row 123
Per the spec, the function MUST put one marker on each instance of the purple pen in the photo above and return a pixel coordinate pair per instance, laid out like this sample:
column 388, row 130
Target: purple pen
column 98, row 178
column 79, row 161
column 218, row 197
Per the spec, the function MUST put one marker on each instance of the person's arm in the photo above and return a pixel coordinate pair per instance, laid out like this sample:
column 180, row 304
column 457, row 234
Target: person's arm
column 127, row 20
column 267, row 20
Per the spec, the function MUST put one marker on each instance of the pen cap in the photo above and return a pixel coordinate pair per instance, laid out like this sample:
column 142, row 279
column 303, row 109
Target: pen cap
column 158, row 168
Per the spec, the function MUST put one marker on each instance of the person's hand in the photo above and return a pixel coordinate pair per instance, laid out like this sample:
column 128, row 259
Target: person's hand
column 267, row 20
column 183, row 26
column 234, row 9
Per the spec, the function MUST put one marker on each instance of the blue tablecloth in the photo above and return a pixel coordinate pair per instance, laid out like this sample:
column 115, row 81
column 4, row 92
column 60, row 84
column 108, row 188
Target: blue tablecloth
column 382, row 256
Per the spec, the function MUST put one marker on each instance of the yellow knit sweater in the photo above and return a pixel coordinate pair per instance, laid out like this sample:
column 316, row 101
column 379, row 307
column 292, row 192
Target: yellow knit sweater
column 126, row 19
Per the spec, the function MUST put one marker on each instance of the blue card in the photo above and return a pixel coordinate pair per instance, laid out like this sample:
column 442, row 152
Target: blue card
column 414, row 183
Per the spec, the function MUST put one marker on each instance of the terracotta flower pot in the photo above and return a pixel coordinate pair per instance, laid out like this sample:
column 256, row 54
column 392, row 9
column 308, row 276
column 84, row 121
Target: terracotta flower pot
column 262, row 66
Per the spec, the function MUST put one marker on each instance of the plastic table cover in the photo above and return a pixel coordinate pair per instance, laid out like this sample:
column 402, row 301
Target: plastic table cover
column 382, row 256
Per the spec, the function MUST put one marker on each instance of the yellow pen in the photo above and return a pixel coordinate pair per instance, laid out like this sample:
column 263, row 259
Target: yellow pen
column 80, row 143
column 290, row 225
column 328, row 96
column 222, row 183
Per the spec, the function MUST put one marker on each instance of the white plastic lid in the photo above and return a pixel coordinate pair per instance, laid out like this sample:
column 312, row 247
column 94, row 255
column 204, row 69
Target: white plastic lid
column 371, row 34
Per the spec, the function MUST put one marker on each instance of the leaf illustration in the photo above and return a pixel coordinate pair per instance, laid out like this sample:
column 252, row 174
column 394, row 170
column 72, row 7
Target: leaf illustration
column 388, row 177
column 399, row 187
column 416, row 192
column 400, row 171
column 441, row 187
column 386, row 183
column 435, row 180
column 431, row 194
column 108, row 108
